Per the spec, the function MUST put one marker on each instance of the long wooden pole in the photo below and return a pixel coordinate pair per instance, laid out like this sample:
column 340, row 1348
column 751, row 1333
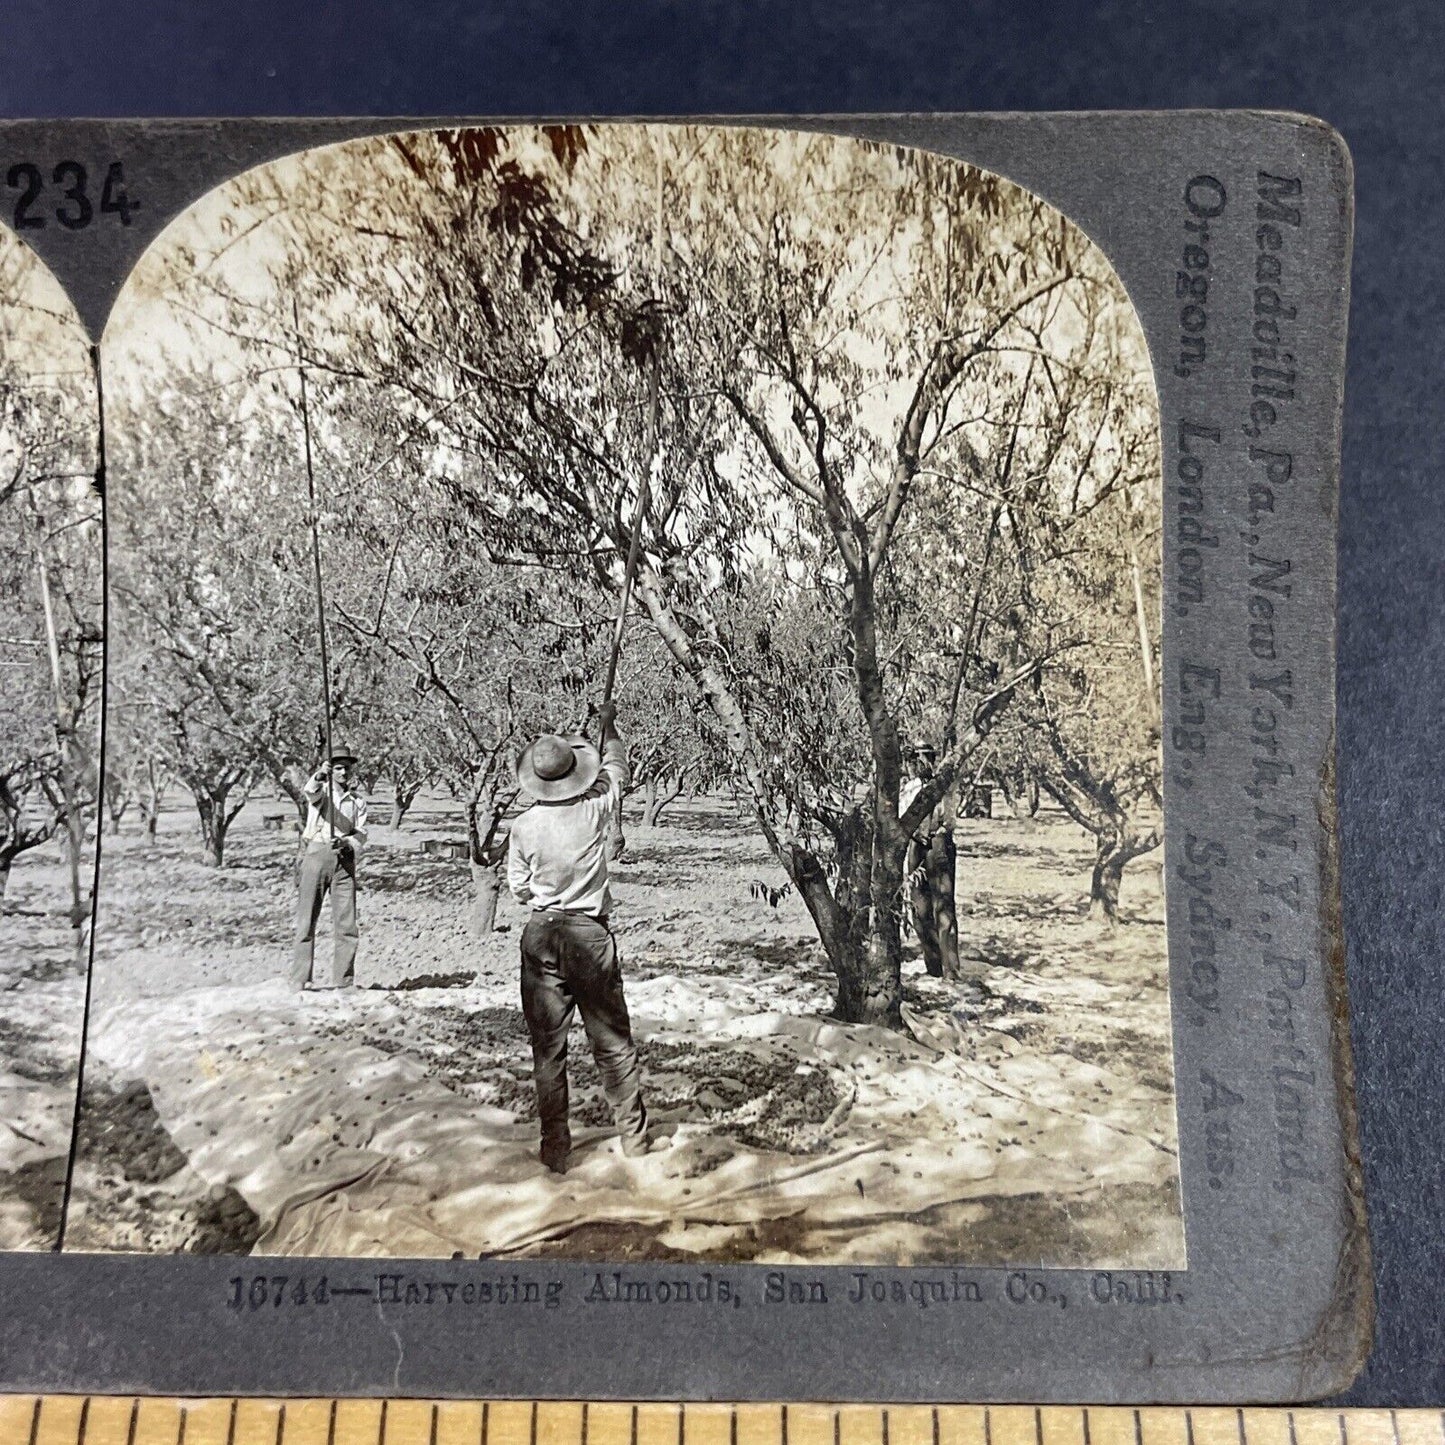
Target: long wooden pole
column 74, row 825
column 634, row 546
column 644, row 494
column 316, row 567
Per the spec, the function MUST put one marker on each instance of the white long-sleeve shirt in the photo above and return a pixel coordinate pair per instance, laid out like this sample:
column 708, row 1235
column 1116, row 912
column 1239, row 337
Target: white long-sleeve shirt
column 348, row 816
column 557, row 854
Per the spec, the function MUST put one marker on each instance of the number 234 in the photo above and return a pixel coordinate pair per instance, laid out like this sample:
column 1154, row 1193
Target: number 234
column 76, row 210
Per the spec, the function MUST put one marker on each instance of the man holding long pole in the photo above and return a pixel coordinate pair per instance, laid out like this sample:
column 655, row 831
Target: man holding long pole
column 331, row 843
column 557, row 868
column 335, row 829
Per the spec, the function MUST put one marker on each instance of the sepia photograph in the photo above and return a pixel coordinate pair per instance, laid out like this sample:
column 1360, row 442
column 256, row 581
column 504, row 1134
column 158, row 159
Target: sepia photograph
column 51, row 661
column 632, row 715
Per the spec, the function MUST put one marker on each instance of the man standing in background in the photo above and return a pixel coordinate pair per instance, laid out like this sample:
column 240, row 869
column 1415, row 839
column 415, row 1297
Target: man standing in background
column 557, row 867
column 331, row 843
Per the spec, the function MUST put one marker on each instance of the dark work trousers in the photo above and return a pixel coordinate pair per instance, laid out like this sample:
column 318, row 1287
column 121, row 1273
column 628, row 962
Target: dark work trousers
column 322, row 870
column 569, row 960
column 932, row 861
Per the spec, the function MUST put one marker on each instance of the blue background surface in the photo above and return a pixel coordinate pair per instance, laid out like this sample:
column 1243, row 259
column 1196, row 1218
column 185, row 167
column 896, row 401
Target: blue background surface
column 1374, row 71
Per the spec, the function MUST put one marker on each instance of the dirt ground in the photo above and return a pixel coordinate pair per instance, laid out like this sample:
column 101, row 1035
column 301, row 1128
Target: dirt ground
column 42, row 1000
column 1025, row 1119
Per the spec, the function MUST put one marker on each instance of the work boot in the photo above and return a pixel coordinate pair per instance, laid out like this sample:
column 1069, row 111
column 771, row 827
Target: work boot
column 555, row 1154
column 649, row 1141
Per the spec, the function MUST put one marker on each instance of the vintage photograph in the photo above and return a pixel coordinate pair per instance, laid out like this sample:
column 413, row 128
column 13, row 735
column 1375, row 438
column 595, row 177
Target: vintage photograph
column 51, row 659
column 633, row 718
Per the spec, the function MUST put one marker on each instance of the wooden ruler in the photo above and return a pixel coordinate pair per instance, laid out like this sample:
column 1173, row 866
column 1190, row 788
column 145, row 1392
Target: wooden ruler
column 115, row 1420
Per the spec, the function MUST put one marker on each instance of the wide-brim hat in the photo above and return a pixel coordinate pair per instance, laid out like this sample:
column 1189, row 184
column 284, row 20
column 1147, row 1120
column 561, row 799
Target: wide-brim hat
column 342, row 754
column 554, row 768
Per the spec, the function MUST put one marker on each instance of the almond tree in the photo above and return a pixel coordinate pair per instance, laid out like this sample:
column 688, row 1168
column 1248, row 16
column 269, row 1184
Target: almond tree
column 1082, row 509
column 50, row 575
column 212, row 592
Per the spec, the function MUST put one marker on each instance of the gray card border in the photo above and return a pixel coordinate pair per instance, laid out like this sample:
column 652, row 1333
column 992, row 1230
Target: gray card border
column 1276, row 1302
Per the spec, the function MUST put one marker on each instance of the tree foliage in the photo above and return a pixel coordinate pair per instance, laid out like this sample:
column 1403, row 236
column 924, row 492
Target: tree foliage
column 878, row 427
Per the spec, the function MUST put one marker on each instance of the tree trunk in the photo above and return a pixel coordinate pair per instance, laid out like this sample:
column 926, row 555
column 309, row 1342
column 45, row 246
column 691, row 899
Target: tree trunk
column 868, row 974
column 649, row 808
column 75, row 847
column 487, row 887
column 1110, row 857
column 658, row 799
column 150, row 803
column 214, row 825
column 1114, row 853
column 868, row 954
column 487, row 856
column 4, row 874
column 402, row 797
column 115, row 809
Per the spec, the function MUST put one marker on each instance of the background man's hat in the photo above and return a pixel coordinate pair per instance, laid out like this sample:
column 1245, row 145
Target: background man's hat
column 554, row 769
column 342, row 754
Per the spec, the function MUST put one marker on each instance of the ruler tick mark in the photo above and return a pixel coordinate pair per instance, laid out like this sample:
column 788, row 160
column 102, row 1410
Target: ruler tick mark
column 134, row 1417
column 231, row 1423
column 331, row 1425
column 936, row 1429
column 381, row 1425
column 1039, row 1426
column 35, row 1419
column 1189, row 1426
column 1087, row 1440
column 1138, row 1429
column 432, row 1433
column 280, row 1422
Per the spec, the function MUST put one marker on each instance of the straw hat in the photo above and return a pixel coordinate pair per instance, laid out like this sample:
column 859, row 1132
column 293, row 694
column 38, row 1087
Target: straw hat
column 555, row 769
